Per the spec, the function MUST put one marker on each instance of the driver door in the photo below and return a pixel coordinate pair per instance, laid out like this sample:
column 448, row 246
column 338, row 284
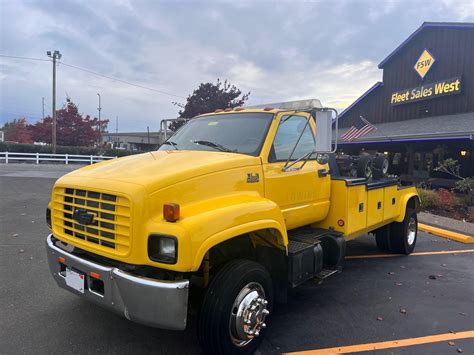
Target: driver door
column 302, row 193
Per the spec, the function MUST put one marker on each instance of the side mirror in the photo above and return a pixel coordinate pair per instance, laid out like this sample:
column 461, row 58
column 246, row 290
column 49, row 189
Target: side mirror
column 324, row 129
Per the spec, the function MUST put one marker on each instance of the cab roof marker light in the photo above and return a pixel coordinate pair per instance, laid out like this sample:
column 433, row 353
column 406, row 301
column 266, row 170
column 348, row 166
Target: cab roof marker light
column 239, row 109
column 219, row 110
column 292, row 105
column 268, row 109
column 228, row 109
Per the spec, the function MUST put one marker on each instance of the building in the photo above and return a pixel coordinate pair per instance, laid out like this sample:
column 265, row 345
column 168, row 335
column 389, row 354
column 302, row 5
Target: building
column 134, row 141
column 424, row 107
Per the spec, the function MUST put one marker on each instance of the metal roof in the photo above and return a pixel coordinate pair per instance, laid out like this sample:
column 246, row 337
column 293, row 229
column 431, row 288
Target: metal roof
column 456, row 126
column 421, row 28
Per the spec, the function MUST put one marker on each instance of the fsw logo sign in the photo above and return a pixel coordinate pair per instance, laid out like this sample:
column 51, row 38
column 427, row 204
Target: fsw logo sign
column 424, row 63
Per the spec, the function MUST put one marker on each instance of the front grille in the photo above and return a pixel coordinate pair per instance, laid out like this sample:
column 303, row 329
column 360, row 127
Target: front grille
column 107, row 230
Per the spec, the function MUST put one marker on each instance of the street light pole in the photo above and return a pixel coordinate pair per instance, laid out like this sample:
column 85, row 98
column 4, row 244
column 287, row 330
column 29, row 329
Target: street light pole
column 55, row 56
column 99, row 109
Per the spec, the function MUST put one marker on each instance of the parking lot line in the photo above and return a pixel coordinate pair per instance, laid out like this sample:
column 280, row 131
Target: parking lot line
column 390, row 344
column 412, row 254
column 459, row 237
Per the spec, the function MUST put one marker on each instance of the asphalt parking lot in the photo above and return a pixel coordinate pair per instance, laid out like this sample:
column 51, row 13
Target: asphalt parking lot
column 376, row 298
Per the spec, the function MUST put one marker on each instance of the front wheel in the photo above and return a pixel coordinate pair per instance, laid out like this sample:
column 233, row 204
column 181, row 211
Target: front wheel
column 235, row 308
column 403, row 235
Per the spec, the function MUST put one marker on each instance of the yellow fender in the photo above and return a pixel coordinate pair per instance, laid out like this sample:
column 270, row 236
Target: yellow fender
column 404, row 202
column 236, row 217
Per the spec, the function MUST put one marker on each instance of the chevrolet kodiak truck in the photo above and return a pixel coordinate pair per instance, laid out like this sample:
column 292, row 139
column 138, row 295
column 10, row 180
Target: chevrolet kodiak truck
column 235, row 209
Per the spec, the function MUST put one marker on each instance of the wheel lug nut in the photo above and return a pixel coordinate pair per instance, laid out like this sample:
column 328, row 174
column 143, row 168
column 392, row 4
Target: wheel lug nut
column 264, row 325
column 257, row 333
column 265, row 302
column 265, row 311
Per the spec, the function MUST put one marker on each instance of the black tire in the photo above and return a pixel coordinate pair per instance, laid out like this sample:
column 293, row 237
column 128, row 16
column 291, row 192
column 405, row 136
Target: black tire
column 382, row 238
column 218, row 307
column 364, row 167
column 401, row 237
column 380, row 166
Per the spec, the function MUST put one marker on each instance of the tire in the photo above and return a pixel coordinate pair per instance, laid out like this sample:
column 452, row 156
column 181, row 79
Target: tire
column 403, row 235
column 221, row 324
column 380, row 166
column 382, row 238
column 364, row 167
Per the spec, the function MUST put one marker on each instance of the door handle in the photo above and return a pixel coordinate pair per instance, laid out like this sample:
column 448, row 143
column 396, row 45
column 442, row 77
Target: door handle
column 323, row 173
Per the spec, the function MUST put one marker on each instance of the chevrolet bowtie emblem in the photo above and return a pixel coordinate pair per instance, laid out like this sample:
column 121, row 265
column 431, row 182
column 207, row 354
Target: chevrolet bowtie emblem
column 83, row 216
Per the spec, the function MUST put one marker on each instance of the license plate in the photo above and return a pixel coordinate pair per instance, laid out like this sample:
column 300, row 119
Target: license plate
column 75, row 280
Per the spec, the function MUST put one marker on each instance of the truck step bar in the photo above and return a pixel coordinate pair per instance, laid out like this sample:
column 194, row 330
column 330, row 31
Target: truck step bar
column 314, row 253
column 325, row 273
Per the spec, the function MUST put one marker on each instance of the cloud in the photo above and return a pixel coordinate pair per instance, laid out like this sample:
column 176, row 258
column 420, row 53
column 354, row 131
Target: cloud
column 279, row 51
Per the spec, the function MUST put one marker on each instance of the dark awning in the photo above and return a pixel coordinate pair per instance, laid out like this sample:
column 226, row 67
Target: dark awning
column 458, row 126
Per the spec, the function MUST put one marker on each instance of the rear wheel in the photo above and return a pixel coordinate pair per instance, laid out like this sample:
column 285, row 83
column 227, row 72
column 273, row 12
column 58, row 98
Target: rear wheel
column 364, row 167
column 380, row 166
column 235, row 307
column 403, row 235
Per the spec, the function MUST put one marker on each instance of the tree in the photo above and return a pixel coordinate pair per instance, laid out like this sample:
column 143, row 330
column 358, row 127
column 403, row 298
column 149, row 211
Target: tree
column 451, row 167
column 18, row 131
column 72, row 129
column 209, row 97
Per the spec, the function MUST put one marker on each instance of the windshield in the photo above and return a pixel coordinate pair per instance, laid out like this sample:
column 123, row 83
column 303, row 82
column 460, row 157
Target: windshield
column 234, row 132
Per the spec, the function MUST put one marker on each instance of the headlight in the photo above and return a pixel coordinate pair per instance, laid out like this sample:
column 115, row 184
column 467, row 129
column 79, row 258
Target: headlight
column 48, row 217
column 163, row 249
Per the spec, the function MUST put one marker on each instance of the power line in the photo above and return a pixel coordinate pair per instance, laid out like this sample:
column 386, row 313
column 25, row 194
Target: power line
column 24, row 58
column 97, row 74
column 121, row 81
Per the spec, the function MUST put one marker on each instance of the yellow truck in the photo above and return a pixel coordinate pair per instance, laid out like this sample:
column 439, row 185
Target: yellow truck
column 236, row 208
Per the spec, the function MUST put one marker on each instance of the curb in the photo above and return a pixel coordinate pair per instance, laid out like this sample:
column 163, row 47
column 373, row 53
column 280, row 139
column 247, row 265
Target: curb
column 458, row 237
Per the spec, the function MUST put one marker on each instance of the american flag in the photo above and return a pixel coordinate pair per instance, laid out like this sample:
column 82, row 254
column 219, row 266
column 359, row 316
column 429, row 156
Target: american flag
column 361, row 128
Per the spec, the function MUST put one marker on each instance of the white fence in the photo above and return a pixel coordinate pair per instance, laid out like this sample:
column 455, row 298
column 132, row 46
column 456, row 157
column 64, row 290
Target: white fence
column 9, row 157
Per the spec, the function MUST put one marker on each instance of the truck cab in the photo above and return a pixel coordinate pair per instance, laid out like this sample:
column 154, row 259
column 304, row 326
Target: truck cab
column 237, row 207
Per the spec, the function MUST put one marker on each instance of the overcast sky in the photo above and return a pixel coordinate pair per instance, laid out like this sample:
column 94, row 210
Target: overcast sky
column 280, row 50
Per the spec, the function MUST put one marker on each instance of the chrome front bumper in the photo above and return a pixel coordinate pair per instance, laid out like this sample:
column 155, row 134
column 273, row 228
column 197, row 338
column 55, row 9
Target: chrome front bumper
column 161, row 304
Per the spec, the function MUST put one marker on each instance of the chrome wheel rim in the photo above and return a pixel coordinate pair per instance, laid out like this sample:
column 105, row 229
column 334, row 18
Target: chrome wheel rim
column 385, row 166
column 411, row 231
column 368, row 171
column 248, row 314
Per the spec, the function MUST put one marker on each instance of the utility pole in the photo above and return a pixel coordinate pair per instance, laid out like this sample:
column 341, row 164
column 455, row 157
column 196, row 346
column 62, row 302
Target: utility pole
column 116, row 124
column 43, row 108
column 148, row 133
column 55, row 56
column 99, row 109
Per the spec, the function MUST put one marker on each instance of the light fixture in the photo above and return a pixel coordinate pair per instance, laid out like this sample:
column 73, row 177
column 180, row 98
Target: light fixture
column 463, row 153
column 386, row 153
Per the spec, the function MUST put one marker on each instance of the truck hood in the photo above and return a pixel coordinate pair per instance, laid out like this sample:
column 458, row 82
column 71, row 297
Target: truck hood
column 155, row 170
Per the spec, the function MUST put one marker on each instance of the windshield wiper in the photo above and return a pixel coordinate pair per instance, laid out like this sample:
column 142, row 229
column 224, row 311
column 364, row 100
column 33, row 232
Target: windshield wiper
column 215, row 145
column 173, row 144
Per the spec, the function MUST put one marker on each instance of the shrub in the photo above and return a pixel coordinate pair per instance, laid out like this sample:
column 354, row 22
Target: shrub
column 447, row 200
column 429, row 199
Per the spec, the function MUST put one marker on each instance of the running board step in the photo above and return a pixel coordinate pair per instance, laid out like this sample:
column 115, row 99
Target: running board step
column 325, row 273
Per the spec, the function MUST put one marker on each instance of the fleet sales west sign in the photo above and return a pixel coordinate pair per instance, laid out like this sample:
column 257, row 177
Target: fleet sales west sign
column 427, row 91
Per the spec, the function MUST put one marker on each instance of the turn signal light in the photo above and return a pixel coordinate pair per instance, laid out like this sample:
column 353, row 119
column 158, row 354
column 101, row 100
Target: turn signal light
column 95, row 275
column 62, row 260
column 171, row 212
column 340, row 223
